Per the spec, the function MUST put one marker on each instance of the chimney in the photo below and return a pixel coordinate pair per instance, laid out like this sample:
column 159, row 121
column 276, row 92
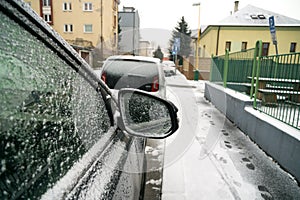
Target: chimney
column 236, row 6
column 128, row 9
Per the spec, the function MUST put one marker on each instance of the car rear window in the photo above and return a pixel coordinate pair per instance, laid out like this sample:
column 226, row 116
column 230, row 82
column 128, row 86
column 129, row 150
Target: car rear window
column 124, row 73
column 126, row 66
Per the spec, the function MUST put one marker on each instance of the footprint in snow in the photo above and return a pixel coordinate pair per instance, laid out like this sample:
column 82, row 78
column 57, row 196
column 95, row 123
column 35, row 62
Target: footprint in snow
column 249, row 165
column 265, row 194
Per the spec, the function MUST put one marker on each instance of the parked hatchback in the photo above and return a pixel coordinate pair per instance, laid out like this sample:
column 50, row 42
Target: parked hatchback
column 169, row 67
column 140, row 72
column 62, row 134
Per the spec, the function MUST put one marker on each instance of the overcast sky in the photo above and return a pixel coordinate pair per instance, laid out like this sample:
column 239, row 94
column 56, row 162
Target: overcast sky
column 164, row 14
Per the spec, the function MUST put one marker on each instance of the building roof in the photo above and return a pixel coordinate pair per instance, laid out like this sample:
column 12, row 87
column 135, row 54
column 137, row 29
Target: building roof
column 194, row 33
column 254, row 16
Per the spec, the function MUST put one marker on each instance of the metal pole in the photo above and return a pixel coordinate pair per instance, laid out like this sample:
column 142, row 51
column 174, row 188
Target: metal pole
column 225, row 72
column 197, row 45
column 276, row 48
column 101, row 37
column 133, row 34
column 198, row 40
column 259, row 46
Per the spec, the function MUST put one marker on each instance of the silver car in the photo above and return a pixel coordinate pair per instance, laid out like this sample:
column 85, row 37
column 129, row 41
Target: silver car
column 169, row 67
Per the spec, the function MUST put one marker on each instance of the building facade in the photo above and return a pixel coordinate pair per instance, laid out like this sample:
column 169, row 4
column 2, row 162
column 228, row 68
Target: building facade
column 130, row 34
column 240, row 31
column 145, row 48
column 91, row 27
column 244, row 27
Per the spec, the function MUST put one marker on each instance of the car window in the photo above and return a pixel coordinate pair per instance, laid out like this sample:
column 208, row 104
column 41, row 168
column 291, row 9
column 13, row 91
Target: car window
column 49, row 115
column 130, row 73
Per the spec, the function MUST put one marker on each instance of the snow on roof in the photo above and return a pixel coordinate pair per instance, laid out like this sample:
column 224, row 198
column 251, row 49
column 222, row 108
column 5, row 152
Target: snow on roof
column 194, row 33
column 131, row 57
column 254, row 16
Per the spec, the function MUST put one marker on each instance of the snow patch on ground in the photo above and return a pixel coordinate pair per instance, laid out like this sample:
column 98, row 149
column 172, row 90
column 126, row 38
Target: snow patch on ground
column 205, row 169
column 154, row 182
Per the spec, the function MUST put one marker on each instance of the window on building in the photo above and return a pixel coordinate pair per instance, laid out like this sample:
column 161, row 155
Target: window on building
column 115, row 5
column 67, row 6
column 265, row 50
column 88, row 28
column 254, row 16
column 244, row 46
column 228, row 45
column 115, row 21
column 46, row 2
column 68, row 28
column 87, row 6
column 293, row 47
column 261, row 16
column 115, row 39
column 47, row 17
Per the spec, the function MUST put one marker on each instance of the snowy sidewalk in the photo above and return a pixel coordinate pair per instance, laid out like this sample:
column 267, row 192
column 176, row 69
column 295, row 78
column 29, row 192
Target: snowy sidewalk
column 195, row 174
column 209, row 158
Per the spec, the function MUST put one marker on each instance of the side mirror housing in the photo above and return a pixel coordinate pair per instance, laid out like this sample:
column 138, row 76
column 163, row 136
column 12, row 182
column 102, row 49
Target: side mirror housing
column 146, row 115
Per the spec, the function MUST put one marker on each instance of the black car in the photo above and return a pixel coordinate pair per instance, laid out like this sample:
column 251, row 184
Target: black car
column 63, row 135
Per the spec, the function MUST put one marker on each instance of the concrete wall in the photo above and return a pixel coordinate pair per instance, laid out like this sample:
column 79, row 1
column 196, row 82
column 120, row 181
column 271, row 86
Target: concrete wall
column 279, row 140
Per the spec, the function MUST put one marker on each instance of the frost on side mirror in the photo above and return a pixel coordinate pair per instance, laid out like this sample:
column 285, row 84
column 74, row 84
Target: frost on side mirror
column 145, row 115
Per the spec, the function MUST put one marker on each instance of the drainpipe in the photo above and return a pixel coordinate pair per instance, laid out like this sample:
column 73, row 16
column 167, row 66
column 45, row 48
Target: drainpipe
column 101, row 37
column 218, row 38
column 133, row 35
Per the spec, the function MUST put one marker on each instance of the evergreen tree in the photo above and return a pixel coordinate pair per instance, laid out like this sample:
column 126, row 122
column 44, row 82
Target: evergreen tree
column 182, row 32
column 158, row 53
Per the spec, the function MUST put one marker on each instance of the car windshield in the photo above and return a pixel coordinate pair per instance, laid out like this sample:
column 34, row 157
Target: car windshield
column 47, row 120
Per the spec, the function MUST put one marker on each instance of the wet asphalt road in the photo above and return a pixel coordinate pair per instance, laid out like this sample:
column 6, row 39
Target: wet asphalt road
column 219, row 161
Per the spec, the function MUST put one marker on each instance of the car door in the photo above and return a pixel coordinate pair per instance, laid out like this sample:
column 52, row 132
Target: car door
column 58, row 139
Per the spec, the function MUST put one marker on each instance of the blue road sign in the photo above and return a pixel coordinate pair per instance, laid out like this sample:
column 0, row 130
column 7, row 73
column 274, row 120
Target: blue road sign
column 177, row 44
column 174, row 50
column 272, row 24
column 272, row 29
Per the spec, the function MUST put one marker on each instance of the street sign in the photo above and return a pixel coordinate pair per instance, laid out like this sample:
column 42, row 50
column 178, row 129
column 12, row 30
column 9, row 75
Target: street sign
column 272, row 29
column 174, row 50
column 176, row 44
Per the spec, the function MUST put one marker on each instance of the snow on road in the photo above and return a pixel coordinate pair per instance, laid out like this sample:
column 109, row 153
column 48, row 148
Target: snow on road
column 209, row 158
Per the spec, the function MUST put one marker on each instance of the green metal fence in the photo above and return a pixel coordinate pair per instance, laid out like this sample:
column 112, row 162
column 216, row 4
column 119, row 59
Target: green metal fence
column 273, row 82
column 233, row 70
column 277, row 88
column 217, row 69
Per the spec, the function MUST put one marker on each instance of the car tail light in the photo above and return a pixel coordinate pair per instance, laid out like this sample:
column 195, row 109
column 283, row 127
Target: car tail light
column 103, row 77
column 155, row 84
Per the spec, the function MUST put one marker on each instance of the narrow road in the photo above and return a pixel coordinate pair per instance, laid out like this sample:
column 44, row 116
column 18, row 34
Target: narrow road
column 210, row 158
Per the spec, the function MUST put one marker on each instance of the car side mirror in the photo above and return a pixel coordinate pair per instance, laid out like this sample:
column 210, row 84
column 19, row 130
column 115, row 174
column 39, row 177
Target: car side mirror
column 145, row 115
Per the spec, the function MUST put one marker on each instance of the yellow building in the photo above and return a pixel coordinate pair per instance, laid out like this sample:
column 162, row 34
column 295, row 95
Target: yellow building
column 90, row 26
column 244, row 27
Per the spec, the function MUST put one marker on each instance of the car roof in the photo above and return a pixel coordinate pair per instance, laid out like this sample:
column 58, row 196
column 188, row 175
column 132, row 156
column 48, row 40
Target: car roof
column 137, row 58
column 168, row 61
